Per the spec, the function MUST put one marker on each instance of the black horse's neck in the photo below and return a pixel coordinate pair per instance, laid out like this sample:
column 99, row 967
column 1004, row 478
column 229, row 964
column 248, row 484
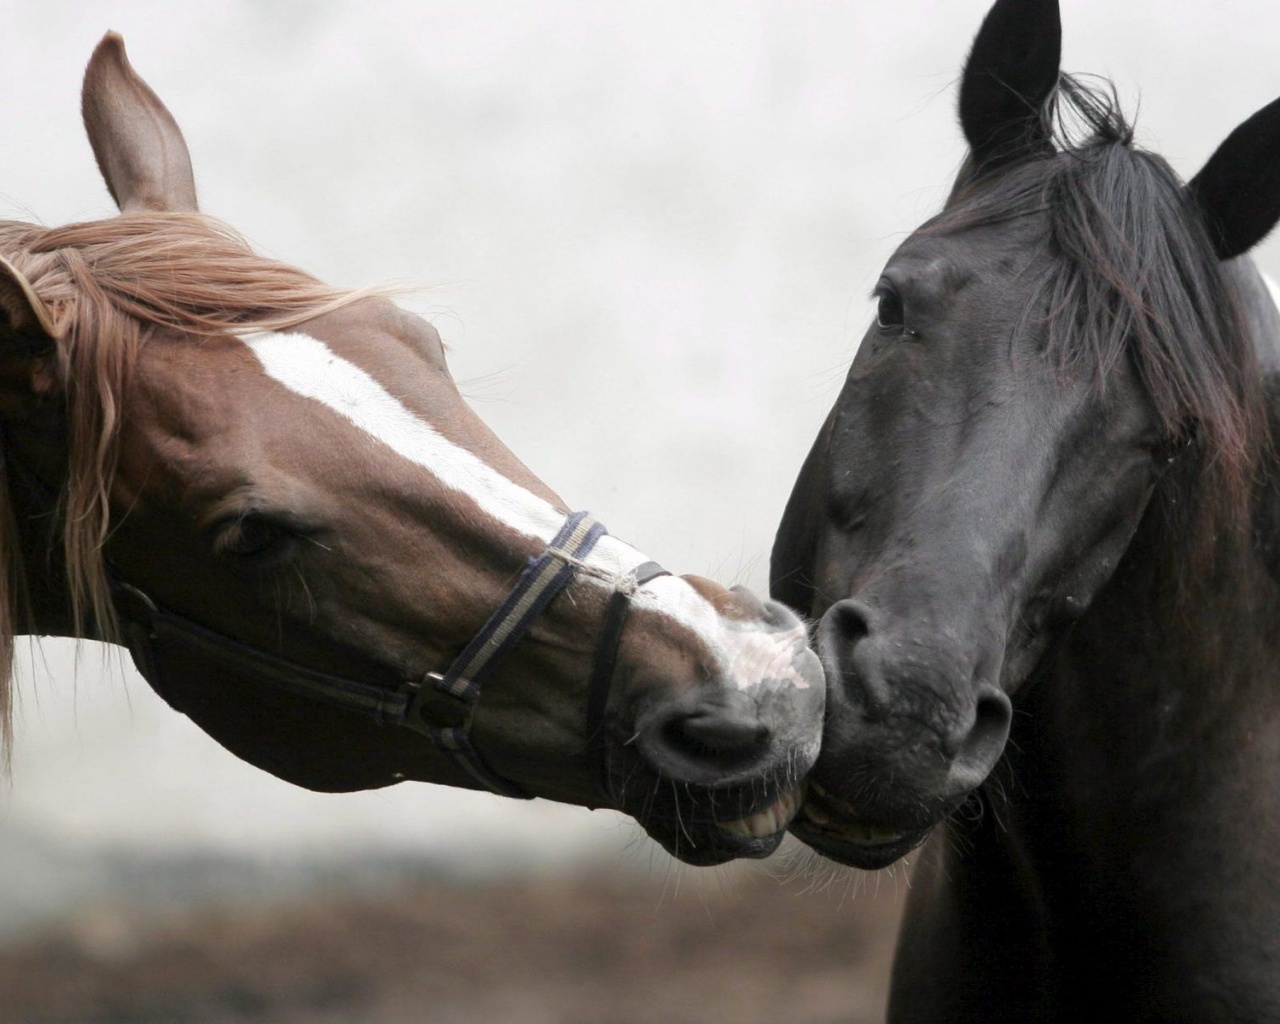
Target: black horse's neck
column 1131, row 831
column 1135, row 806
column 1141, row 774
column 1182, row 642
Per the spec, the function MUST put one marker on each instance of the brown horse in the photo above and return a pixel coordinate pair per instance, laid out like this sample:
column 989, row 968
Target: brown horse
column 272, row 493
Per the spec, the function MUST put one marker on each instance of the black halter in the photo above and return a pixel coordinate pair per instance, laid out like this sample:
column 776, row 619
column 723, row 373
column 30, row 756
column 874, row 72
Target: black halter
column 439, row 706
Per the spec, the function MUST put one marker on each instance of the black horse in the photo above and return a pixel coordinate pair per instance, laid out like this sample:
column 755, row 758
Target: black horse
column 1043, row 522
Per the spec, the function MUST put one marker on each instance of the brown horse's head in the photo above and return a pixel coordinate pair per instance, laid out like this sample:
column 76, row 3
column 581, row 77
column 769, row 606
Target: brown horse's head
column 290, row 476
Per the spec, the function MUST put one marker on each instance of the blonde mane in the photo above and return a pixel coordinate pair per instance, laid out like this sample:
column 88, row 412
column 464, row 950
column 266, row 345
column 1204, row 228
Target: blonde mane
column 107, row 285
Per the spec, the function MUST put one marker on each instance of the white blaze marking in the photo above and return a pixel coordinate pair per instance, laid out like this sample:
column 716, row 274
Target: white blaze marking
column 308, row 367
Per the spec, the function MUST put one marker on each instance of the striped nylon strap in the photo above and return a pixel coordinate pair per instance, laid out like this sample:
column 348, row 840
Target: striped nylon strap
column 441, row 708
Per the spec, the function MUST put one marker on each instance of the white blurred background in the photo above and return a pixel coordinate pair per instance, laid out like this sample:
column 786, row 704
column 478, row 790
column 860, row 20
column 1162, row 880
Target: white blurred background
column 646, row 230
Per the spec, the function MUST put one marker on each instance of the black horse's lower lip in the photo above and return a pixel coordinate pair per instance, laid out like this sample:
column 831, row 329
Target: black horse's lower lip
column 833, row 829
column 852, row 852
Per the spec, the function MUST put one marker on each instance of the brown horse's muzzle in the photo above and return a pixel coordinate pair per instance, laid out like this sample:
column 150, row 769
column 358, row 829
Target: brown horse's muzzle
column 726, row 733
column 724, row 759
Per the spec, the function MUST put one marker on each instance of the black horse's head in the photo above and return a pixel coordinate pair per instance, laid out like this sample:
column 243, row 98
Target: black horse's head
column 1047, row 353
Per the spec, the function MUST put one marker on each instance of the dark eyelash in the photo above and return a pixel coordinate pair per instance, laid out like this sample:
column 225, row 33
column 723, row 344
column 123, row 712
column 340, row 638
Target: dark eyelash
column 889, row 310
column 248, row 537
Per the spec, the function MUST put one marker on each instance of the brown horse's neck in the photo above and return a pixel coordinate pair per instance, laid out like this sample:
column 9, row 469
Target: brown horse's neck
column 34, row 465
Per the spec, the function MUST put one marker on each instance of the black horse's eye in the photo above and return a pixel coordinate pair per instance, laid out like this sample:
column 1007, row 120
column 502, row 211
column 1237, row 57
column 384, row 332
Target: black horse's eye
column 889, row 308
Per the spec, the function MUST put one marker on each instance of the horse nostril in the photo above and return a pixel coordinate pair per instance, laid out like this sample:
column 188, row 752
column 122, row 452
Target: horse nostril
column 707, row 741
column 715, row 735
column 845, row 623
column 853, row 659
column 748, row 602
column 980, row 747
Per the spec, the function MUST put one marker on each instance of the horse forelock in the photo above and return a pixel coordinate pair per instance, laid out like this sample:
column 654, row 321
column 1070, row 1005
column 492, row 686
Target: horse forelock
column 1132, row 273
column 108, row 285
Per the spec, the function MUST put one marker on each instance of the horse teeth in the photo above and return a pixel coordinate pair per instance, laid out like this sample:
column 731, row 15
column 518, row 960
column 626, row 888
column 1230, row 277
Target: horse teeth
column 768, row 822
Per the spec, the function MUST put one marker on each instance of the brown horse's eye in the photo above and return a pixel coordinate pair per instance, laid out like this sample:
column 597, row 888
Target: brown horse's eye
column 251, row 538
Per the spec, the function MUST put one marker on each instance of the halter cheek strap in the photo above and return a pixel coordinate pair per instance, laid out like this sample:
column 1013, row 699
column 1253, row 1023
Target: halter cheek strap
column 606, row 659
column 440, row 706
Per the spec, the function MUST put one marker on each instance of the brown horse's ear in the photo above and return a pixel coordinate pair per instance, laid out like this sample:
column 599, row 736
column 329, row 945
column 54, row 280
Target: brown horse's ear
column 138, row 145
column 27, row 363
column 1011, row 72
column 1238, row 190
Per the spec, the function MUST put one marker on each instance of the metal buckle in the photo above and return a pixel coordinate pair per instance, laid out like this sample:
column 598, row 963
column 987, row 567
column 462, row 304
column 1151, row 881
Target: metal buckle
column 431, row 711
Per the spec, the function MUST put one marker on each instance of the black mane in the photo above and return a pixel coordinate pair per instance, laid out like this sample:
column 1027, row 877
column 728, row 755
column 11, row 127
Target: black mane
column 1132, row 274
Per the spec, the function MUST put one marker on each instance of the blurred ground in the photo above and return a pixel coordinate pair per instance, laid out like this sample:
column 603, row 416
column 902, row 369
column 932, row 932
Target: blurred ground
column 731, row 946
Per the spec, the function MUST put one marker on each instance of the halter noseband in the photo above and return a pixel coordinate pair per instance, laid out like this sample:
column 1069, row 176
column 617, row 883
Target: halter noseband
column 440, row 706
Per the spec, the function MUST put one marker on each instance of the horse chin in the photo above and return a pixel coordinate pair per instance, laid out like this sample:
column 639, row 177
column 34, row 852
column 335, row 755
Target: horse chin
column 846, row 843
column 834, row 829
column 707, row 847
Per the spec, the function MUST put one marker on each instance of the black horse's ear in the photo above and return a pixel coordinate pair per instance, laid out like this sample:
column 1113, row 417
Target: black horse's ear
column 1238, row 190
column 1011, row 72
